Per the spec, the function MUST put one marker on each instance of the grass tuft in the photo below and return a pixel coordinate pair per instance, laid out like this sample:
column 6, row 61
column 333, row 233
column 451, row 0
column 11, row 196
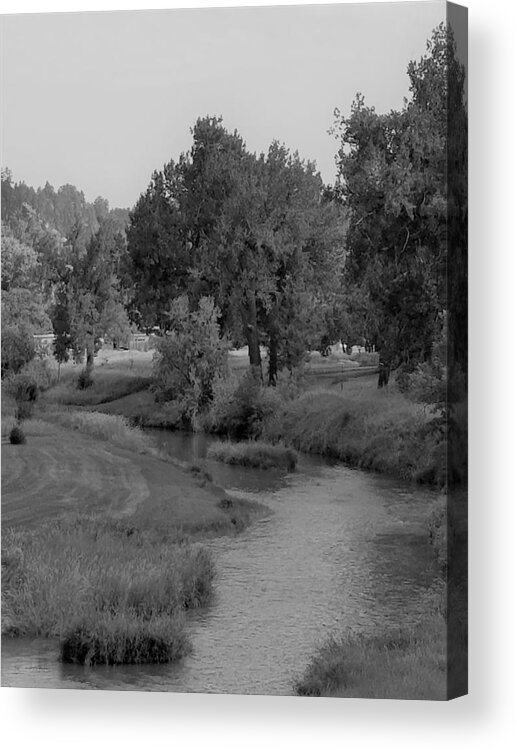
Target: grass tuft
column 254, row 454
column 122, row 640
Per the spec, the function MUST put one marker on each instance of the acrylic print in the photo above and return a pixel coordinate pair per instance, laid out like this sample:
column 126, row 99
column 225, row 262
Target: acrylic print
column 234, row 351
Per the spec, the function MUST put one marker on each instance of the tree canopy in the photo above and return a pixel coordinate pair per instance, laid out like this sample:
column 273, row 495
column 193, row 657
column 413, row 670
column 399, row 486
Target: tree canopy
column 393, row 179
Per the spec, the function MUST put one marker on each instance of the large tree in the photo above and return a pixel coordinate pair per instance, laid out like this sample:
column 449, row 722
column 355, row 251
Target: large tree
column 89, row 303
column 393, row 178
column 258, row 234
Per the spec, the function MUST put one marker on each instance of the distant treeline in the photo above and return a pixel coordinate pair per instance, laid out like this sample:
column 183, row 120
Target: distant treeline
column 59, row 209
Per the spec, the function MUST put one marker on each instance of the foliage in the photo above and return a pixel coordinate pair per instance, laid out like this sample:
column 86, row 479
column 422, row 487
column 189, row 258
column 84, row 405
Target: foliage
column 25, row 307
column 84, row 380
column 17, row 436
column 19, row 262
column 88, row 301
column 392, row 171
column 240, row 407
column 190, row 357
column 18, row 347
column 58, row 209
column 429, row 383
column 258, row 234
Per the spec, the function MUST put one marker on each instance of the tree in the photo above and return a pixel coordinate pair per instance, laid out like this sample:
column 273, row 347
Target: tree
column 158, row 257
column 88, row 299
column 392, row 176
column 302, row 234
column 190, row 356
column 18, row 347
column 258, row 234
column 19, row 262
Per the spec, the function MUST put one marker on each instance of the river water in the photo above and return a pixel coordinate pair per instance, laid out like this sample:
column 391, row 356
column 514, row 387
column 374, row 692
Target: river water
column 342, row 550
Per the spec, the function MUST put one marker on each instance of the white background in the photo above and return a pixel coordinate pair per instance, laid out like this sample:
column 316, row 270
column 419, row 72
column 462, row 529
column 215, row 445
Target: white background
column 77, row 719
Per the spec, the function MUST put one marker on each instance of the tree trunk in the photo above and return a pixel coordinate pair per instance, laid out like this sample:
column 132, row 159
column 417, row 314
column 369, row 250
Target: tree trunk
column 89, row 357
column 273, row 358
column 251, row 329
column 273, row 347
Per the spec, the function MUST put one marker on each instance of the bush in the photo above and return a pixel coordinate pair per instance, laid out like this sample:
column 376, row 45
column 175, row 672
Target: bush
column 240, row 407
column 18, row 348
column 190, row 357
column 41, row 372
column 84, row 380
column 17, row 436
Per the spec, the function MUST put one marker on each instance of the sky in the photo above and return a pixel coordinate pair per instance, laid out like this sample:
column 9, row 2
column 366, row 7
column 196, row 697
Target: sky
column 101, row 100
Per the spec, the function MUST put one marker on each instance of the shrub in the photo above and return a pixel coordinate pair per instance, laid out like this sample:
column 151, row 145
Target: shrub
column 241, row 407
column 41, row 372
column 18, row 348
column 85, row 379
column 190, row 356
column 17, row 436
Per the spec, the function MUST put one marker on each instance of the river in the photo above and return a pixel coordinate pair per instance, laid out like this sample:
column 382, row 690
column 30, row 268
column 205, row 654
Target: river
column 342, row 549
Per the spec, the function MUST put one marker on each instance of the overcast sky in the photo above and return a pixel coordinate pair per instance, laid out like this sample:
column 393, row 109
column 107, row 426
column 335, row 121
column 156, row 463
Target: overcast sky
column 100, row 100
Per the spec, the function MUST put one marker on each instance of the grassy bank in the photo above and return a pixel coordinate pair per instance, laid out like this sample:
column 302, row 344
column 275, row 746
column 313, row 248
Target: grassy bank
column 116, row 374
column 102, row 586
column 376, row 430
column 254, row 454
column 410, row 664
column 116, row 430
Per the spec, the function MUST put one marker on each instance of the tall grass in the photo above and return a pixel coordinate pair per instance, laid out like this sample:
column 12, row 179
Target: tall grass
column 114, row 429
column 106, row 386
column 410, row 664
column 116, row 374
column 254, row 454
column 120, row 639
column 363, row 427
column 89, row 580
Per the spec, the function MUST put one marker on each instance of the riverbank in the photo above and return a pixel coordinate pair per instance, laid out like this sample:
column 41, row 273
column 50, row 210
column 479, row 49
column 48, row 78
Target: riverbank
column 98, row 539
column 62, row 470
column 363, row 427
column 351, row 421
column 367, row 428
column 407, row 665
column 108, row 593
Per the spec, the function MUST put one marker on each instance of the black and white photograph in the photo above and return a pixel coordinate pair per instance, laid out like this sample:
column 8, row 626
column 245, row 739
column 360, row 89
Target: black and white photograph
column 234, row 350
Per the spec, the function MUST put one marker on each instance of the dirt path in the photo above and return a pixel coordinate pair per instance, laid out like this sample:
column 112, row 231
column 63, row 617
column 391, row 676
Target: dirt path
column 60, row 471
